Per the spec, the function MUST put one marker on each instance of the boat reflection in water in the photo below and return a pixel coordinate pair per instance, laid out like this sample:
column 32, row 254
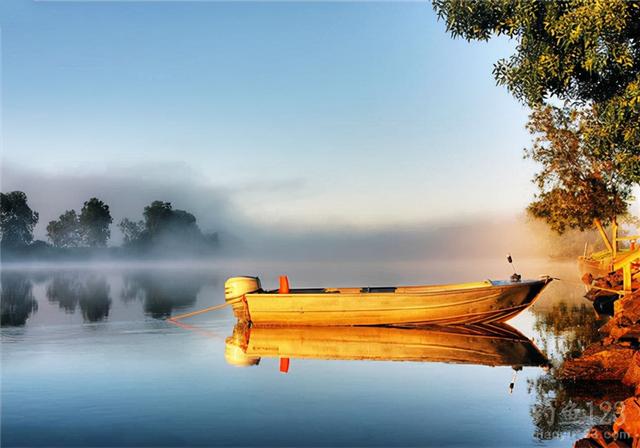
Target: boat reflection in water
column 491, row 345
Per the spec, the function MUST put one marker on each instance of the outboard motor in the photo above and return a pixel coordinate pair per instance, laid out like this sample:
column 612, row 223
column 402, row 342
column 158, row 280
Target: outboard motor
column 235, row 350
column 235, row 288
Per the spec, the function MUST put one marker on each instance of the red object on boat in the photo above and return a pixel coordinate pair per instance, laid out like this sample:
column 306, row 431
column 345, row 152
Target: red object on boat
column 284, row 365
column 284, row 285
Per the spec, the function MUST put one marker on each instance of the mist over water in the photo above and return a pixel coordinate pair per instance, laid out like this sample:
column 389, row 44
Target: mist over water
column 316, row 235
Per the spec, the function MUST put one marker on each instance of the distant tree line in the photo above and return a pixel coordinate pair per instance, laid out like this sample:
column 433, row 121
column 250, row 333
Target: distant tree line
column 164, row 227
column 162, row 231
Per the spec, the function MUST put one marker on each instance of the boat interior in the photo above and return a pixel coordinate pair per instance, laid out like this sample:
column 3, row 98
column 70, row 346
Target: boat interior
column 392, row 289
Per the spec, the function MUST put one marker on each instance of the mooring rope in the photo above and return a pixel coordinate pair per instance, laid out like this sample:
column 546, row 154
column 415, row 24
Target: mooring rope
column 205, row 310
column 201, row 331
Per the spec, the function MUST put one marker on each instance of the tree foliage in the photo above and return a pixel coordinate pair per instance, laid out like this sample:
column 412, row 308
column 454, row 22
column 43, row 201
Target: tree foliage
column 163, row 231
column 95, row 219
column 65, row 231
column 164, row 227
column 90, row 228
column 575, row 185
column 162, row 220
column 585, row 53
column 17, row 220
column 132, row 231
column 575, row 49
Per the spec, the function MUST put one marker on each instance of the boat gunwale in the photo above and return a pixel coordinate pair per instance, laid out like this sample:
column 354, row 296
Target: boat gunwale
column 306, row 292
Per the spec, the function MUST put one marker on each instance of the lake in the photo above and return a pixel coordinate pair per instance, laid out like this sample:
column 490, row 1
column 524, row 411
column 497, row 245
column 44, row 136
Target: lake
column 88, row 359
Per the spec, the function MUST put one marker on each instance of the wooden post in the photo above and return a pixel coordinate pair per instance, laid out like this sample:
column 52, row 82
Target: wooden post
column 626, row 276
column 626, row 264
column 614, row 237
column 603, row 235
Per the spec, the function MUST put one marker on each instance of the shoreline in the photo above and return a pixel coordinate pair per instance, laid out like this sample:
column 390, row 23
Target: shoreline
column 614, row 359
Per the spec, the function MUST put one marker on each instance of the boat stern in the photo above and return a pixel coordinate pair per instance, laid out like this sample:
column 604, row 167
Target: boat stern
column 235, row 289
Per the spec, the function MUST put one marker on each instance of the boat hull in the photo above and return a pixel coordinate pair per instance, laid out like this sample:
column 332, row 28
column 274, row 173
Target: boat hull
column 481, row 303
column 491, row 345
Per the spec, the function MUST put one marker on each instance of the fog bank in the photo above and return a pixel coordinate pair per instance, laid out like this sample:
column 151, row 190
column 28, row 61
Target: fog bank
column 218, row 209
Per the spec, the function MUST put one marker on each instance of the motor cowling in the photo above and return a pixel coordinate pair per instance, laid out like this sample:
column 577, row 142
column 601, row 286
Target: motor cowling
column 236, row 357
column 235, row 288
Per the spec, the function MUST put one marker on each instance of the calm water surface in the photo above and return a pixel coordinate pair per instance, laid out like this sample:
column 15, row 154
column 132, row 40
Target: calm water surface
column 88, row 360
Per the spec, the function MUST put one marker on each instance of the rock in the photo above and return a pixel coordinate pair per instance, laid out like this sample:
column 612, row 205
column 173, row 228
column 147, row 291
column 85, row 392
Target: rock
column 632, row 375
column 625, row 333
column 608, row 326
column 624, row 327
column 598, row 363
column 613, row 280
column 603, row 434
column 627, row 310
column 619, row 444
column 587, row 279
column 587, row 443
column 615, row 358
column 629, row 420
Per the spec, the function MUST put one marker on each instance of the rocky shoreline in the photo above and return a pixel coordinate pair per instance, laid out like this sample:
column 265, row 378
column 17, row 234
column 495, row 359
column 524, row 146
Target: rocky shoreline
column 615, row 358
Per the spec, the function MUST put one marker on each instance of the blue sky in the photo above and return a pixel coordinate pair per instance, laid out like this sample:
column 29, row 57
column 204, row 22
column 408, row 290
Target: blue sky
column 297, row 114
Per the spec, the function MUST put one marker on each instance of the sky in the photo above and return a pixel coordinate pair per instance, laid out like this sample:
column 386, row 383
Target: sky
column 297, row 116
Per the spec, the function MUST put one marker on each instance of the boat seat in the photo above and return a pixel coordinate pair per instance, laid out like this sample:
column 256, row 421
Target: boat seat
column 379, row 289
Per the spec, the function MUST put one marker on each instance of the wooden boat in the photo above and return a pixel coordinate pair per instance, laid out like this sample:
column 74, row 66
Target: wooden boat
column 617, row 249
column 597, row 264
column 489, row 344
column 454, row 304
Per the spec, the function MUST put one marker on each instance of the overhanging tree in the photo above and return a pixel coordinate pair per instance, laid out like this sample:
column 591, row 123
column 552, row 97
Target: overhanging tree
column 576, row 186
column 587, row 54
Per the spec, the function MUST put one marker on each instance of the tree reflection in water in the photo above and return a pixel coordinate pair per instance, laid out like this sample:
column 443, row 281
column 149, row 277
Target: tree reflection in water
column 65, row 290
column 571, row 408
column 566, row 330
column 162, row 292
column 562, row 407
column 89, row 291
column 16, row 299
